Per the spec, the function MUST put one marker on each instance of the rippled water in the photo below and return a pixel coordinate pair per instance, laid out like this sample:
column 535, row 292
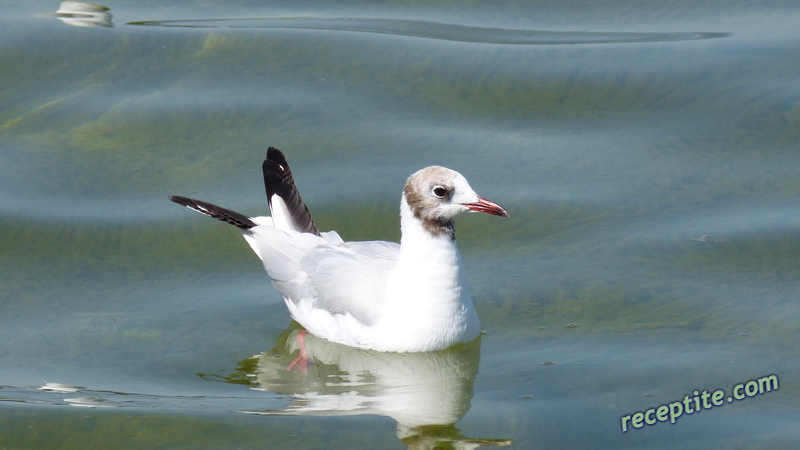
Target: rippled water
column 647, row 153
column 434, row 30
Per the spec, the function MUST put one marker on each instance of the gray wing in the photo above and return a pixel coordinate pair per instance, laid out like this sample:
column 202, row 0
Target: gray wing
column 339, row 277
column 351, row 278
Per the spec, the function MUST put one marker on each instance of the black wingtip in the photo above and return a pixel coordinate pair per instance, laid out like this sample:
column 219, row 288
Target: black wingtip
column 276, row 156
column 217, row 212
column 278, row 181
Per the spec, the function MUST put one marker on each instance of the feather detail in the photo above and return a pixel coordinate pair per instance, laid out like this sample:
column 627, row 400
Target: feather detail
column 287, row 208
column 217, row 212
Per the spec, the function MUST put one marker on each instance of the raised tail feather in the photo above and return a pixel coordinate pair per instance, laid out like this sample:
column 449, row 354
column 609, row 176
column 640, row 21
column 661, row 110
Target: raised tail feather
column 217, row 212
column 278, row 182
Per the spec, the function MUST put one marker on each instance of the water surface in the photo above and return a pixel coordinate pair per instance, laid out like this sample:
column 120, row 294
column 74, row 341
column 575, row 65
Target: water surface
column 647, row 154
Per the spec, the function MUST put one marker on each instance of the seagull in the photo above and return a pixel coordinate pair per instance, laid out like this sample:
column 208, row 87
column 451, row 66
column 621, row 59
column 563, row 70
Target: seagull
column 377, row 295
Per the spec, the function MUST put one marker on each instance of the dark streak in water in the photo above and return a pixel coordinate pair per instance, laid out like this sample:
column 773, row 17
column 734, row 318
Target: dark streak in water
column 443, row 31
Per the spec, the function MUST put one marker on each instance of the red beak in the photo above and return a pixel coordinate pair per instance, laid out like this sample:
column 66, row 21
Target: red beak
column 487, row 206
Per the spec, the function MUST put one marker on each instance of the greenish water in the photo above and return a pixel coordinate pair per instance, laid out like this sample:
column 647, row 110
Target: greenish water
column 651, row 178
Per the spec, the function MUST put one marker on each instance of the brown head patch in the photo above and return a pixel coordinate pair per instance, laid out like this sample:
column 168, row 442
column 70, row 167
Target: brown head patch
column 423, row 204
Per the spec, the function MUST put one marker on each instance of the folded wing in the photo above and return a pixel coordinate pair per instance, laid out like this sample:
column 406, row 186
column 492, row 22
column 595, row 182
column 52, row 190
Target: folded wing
column 338, row 277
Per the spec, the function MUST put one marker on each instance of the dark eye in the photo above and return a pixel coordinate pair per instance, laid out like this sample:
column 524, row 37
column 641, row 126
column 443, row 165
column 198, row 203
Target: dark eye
column 439, row 191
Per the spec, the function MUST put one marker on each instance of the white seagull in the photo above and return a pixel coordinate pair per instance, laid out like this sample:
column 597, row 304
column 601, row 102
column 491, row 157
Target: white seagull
column 375, row 295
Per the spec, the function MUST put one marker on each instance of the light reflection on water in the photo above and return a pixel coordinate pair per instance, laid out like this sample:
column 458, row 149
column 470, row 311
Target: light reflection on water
column 434, row 30
column 652, row 184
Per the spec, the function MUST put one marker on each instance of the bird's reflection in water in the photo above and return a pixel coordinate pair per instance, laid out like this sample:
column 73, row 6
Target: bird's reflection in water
column 426, row 393
column 82, row 14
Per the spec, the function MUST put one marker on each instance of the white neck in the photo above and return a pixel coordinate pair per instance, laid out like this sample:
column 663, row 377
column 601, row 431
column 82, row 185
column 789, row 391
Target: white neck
column 418, row 244
column 426, row 293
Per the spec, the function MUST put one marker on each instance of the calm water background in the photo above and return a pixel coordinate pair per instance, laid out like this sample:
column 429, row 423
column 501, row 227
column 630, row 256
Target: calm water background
column 647, row 153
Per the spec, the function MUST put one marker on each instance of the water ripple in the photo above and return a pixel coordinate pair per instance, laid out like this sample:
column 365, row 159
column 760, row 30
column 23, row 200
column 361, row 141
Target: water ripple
column 436, row 30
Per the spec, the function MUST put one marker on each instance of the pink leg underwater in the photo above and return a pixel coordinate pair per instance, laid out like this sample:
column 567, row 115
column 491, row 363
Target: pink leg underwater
column 301, row 362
